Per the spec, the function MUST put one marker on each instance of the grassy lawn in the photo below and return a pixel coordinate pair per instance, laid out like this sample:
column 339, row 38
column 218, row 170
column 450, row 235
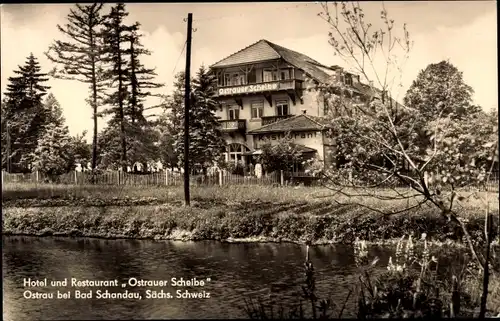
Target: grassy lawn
column 228, row 212
column 17, row 193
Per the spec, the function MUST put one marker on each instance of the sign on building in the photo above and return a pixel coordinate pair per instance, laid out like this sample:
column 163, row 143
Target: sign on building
column 248, row 89
column 293, row 136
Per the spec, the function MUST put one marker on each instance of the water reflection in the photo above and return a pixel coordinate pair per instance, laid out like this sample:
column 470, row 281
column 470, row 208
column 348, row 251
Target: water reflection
column 237, row 271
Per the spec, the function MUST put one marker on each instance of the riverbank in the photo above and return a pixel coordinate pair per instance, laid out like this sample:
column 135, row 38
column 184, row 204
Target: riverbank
column 236, row 214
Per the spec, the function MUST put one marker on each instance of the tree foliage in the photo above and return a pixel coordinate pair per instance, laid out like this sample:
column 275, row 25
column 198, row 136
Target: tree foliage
column 130, row 83
column 52, row 155
column 80, row 150
column 24, row 115
column 206, row 143
column 439, row 133
column 114, row 36
column 54, row 113
column 80, row 58
column 463, row 150
column 166, row 141
column 280, row 156
column 141, row 78
column 439, row 91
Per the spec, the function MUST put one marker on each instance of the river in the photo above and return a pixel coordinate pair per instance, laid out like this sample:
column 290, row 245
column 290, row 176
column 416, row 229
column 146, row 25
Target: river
column 236, row 271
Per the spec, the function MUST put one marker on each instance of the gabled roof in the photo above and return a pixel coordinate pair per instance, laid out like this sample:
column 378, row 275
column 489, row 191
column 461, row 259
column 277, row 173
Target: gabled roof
column 293, row 124
column 256, row 52
column 264, row 50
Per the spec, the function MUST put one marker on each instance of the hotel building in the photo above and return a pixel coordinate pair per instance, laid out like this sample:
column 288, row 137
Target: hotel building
column 262, row 95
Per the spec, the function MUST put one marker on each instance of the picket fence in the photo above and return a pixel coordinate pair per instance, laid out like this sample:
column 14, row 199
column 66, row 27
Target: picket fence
column 169, row 178
column 164, row 178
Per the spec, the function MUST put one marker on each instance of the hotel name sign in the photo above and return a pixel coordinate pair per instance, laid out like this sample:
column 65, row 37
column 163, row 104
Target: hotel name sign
column 293, row 136
column 248, row 89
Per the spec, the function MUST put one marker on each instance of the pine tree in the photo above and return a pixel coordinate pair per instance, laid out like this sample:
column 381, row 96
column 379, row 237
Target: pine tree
column 24, row 114
column 81, row 59
column 141, row 78
column 175, row 123
column 140, row 133
column 206, row 143
column 5, row 145
column 166, row 141
column 114, row 35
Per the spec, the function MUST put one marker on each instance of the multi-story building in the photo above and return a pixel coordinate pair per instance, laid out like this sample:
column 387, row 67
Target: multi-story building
column 262, row 95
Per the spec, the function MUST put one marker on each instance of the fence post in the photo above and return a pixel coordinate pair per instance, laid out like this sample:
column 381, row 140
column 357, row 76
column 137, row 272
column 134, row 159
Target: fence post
column 3, row 176
column 282, row 178
column 166, row 177
column 76, row 179
column 36, row 176
column 220, row 177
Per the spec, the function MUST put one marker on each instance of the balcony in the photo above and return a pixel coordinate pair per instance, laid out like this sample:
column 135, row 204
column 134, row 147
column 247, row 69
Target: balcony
column 264, row 87
column 266, row 120
column 230, row 126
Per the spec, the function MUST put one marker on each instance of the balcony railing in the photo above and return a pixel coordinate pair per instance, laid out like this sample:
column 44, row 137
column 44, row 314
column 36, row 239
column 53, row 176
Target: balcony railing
column 266, row 120
column 278, row 85
column 233, row 125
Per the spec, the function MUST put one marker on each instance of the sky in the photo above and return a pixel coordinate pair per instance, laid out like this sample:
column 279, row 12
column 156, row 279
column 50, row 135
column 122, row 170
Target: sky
column 463, row 32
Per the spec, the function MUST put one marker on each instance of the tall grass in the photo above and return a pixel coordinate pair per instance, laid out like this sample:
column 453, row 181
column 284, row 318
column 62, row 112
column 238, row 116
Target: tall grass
column 385, row 200
column 413, row 286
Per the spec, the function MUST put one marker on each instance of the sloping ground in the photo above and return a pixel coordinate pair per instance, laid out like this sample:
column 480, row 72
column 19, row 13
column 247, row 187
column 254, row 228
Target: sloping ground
column 318, row 221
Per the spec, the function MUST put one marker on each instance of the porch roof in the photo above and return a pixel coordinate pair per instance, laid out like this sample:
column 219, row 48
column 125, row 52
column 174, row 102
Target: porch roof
column 300, row 148
column 301, row 122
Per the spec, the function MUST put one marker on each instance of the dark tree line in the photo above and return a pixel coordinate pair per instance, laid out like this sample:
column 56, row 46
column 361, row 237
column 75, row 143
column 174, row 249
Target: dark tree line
column 104, row 51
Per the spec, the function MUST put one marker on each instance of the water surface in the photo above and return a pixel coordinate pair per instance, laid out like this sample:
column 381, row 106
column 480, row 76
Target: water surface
column 237, row 271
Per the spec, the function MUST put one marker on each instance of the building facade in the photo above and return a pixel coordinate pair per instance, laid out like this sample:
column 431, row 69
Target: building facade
column 262, row 95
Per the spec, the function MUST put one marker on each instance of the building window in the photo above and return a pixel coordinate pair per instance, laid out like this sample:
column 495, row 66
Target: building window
column 257, row 109
column 252, row 77
column 348, row 80
column 275, row 75
column 233, row 112
column 227, row 80
column 285, row 74
column 235, row 80
column 235, row 152
column 282, row 107
column 242, row 79
column 267, row 75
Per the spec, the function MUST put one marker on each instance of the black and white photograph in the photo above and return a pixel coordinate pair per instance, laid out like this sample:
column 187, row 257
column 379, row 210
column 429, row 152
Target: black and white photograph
column 249, row 160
